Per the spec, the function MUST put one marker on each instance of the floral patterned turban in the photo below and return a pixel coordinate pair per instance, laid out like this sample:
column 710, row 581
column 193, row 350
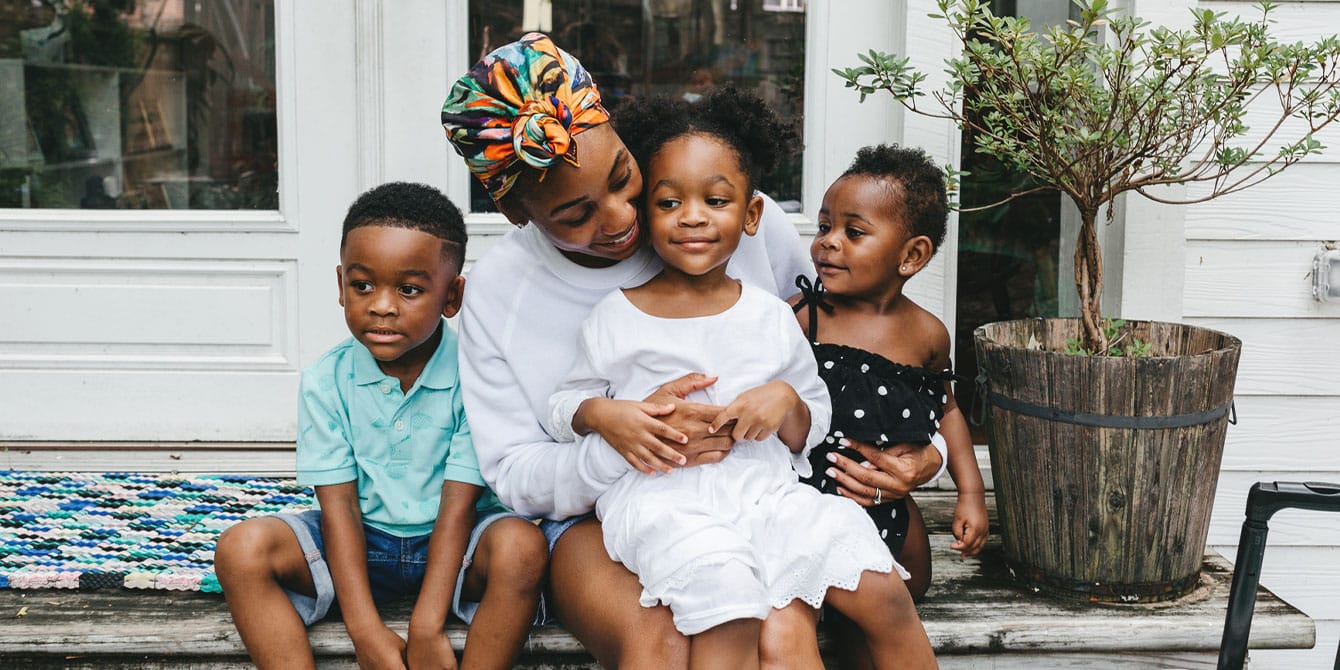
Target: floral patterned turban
column 521, row 105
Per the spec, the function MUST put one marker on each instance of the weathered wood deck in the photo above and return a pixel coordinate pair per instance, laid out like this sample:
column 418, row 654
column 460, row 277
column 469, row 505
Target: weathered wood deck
column 975, row 614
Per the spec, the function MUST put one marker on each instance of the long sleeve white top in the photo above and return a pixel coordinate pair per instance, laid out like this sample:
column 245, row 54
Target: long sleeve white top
column 524, row 304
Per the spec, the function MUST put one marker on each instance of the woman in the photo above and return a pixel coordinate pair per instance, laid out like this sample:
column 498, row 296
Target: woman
column 529, row 123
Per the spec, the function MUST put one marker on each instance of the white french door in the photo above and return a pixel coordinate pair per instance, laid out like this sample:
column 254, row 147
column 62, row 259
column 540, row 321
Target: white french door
column 188, row 325
column 192, row 325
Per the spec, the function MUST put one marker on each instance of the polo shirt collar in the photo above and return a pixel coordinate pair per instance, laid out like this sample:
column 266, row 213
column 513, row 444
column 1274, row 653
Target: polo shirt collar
column 439, row 373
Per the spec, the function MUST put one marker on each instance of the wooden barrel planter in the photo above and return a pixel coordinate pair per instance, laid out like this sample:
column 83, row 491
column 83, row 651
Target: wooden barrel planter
column 1105, row 467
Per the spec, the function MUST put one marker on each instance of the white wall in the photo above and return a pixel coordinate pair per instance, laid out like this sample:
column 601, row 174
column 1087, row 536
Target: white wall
column 1247, row 263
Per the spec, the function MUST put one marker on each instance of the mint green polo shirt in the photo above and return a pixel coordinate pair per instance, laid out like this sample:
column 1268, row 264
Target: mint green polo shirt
column 355, row 425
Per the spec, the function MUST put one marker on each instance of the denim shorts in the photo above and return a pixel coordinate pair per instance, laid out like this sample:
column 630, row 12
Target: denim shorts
column 396, row 566
column 554, row 529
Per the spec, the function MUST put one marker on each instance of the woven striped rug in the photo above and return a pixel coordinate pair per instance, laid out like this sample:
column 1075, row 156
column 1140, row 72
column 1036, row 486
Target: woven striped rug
column 137, row 531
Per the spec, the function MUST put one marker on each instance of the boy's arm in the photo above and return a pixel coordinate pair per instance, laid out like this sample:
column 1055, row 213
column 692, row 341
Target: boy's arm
column 325, row 460
column 375, row 645
column 428, row 642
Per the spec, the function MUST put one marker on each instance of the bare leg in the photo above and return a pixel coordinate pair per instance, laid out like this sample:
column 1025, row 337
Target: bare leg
column 596, row 599
column 882, row 608
column 854, row 652
column 505, row 578
column 255, row 560
column 916, row 554
column 732, row 645
column 788, row 640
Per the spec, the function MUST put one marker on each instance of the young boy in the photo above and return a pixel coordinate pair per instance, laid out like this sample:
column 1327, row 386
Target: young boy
column 382, row 436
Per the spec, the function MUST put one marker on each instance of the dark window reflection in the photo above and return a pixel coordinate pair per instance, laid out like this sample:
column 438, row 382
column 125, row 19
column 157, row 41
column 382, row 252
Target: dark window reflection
column 148, row 104
column 1007, row 255
column 679, row 48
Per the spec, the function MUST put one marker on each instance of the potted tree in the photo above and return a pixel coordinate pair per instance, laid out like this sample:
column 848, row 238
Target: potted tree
column 1106, row 436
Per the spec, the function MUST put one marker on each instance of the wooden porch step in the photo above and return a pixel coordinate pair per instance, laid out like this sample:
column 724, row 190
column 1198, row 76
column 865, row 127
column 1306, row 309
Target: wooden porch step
column 975, row 615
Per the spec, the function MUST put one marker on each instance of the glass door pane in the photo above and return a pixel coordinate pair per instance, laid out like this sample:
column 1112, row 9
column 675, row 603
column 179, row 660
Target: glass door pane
column 678, row 48
column 156, row 104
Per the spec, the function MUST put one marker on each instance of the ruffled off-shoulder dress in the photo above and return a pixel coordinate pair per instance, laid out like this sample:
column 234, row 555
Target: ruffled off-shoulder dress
column 875, row 401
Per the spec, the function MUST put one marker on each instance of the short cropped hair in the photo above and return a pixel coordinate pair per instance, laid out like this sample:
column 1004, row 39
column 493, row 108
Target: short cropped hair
column 415, row 206
column 924, row 202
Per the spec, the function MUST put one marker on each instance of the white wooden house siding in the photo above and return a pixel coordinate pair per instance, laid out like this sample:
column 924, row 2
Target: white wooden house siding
column 1247, row 272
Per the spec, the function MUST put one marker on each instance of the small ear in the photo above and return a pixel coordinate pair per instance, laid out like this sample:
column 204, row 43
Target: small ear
column 916, row 254
column 339, row 282
column 455, row 292
column 753, row 213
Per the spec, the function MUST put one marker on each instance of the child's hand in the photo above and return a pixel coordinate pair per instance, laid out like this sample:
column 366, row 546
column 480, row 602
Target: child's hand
column 380, row 649
column 430, row 651
column 970, row 523
column 758, row 412
column 634, row 431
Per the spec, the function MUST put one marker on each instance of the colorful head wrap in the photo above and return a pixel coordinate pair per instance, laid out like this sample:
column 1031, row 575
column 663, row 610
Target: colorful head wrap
column 521, row 105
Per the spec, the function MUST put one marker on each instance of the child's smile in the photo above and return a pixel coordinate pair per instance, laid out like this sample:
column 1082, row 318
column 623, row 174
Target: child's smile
column 698, row 206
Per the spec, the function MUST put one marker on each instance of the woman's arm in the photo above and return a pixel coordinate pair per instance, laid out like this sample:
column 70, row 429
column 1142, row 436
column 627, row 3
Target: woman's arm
column 529, row 471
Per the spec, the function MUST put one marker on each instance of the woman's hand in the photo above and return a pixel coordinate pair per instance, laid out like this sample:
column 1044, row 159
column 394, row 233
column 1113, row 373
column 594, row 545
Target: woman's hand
column 970, row 523
column 692, row 419
column 887, row 474
column 634, row 429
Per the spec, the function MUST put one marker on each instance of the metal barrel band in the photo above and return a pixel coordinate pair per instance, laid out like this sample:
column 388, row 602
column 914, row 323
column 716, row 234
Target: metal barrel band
column 1071, row 589
column 1110, row 420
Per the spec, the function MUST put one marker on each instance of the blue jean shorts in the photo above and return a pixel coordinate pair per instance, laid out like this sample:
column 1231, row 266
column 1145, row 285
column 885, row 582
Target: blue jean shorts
column 554, row 529
column 396, row 566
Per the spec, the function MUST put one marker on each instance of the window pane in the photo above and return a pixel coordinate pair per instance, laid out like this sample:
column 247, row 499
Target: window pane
column 155, row 104
column 1007, row 255
column 679, row 48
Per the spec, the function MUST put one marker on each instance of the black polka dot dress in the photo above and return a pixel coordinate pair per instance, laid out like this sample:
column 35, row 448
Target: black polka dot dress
column 875, row 401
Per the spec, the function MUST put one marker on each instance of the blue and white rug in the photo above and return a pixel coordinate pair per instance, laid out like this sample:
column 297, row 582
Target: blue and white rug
column 137, row 531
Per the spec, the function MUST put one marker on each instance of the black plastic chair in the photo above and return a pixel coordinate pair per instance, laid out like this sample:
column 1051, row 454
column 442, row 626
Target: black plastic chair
column 1262, row 502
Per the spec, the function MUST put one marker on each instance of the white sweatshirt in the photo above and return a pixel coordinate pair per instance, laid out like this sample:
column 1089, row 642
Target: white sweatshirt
column 524, row 305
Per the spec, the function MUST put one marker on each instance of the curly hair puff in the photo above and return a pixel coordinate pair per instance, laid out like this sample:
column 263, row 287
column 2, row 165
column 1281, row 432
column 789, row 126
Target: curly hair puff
column 924, row 200
column 740, row 119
